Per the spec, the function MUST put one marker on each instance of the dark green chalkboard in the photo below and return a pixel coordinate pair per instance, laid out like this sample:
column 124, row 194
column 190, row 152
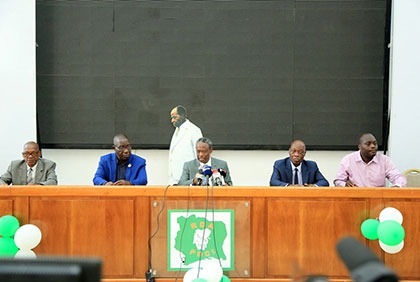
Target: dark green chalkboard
column 253, row 74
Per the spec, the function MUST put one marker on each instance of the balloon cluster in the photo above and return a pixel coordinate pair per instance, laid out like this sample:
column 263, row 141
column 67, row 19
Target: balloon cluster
column 208, row 271
column 387, row 229
column 18, row 241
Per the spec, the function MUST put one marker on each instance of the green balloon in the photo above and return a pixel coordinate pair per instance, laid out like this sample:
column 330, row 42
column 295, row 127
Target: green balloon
column 8, row 225
column 8, row 247
column 390, row 232
column 199, row 280
column 369, row 228
column 224, row 279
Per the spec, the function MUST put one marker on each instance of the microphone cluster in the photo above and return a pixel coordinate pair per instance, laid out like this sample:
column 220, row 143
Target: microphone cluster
column 207, row 175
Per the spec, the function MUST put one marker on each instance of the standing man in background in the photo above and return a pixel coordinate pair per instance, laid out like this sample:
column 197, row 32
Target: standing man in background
column 182, row 148
column 32, row 170
column 121, row 167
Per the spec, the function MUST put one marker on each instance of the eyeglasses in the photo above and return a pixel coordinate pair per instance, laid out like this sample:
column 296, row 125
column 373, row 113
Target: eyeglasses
column 299, row 152
column 27, row 154
column 123, row 147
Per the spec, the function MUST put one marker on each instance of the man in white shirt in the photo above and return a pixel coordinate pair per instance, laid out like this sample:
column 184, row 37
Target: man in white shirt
column 182, row 148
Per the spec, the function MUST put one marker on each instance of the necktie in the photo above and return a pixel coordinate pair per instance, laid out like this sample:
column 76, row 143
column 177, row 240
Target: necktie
column 29, row 177
column 296, row 179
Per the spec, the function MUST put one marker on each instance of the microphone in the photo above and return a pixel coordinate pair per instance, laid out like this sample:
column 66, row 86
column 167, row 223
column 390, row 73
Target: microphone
column 222, row 172
column 217, row 178
column 207, row 172
column 200, row 180
column 362, row 263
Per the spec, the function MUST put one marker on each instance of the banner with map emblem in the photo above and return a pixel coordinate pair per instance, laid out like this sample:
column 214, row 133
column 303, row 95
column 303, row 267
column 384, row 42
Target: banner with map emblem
column 195, row 235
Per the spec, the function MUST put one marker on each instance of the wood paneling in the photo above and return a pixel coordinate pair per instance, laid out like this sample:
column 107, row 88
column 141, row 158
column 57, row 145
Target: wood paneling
column 302, row 234
column 6, row 207
column 279, row 232
column 88, row 227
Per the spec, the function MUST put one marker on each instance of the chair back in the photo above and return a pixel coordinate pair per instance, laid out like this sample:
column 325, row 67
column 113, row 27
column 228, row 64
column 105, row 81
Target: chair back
column 413, row 177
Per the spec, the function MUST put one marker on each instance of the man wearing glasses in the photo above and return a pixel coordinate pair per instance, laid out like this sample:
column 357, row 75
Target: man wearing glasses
column 32, row 170
column 295, row 171
column 121, row 167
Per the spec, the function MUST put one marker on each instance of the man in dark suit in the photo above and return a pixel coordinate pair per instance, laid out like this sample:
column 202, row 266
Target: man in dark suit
column 32, row 170
column 190, row 172
column 295, row 171
column 121, row 167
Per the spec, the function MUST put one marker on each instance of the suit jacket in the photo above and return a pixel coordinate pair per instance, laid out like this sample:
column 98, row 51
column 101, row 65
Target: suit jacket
column 17, row 171
column 190, row 169
column 107, row 170
column 283, row 175
column 182, row 149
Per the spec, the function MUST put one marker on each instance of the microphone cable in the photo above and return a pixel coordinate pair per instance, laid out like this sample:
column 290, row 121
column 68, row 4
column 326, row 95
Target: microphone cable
column 214, row 228
column 150, row 270
column 182, row 259
column 204, row 230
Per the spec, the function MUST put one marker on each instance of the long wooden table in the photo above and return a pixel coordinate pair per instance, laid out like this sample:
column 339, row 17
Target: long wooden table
column 279, row 232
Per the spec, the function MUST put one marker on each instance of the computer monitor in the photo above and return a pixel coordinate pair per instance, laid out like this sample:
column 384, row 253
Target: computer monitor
column 50, row 269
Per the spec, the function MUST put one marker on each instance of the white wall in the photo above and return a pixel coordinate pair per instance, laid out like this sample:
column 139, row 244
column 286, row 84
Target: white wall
column 17, row 89
column 17, row 78
column 404, row 137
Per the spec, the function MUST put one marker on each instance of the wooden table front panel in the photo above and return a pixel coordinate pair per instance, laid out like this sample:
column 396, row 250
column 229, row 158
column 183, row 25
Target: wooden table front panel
column 302, row 235
column 279, row 233
column 87, row 227
column 242, row 231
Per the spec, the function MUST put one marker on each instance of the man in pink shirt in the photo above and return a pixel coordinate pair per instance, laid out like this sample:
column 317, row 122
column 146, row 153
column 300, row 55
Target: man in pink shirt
column 366, row 168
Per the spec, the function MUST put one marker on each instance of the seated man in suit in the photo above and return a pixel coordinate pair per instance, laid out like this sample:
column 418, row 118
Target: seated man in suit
column 295, row 171
column 32, row 170
column 367, row 168
column 190, row 172
column 121, row 167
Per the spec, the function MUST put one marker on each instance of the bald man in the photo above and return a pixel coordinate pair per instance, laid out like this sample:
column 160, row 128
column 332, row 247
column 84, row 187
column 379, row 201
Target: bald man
column 182, row 148
column 121, row 167
column 367, row 168
column 31, row 170
column 295, row 170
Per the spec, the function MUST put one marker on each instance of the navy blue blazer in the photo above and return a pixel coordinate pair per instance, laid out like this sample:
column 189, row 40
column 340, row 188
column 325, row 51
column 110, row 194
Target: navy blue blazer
column 107, row 170
column 283, row 175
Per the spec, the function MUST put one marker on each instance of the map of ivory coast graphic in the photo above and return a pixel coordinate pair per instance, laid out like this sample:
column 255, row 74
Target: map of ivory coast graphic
column 200, row 237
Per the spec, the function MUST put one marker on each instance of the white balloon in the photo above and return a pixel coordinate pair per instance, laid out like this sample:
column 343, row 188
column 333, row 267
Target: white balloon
column 27, row 237
column 391, row 214
column 190, row 275
column 29, row 254
column 392, row 249
column 211, row 270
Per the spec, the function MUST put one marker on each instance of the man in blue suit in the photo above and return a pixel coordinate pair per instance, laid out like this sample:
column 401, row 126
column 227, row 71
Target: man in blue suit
column 295, row 171
column 121, row 167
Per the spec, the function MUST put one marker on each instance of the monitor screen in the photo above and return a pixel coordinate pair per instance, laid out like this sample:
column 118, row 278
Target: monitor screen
column 50, row 269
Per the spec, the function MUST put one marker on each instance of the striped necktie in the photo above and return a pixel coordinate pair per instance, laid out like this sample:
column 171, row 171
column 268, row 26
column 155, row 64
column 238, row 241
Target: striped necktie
column 29, row 176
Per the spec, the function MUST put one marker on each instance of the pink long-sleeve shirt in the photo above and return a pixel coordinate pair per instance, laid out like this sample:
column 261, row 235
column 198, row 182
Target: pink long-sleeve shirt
column 372, row 174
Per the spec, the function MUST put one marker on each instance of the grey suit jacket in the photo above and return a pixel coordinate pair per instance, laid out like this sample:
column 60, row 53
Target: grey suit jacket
column 16, row 173
column 190, row 169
